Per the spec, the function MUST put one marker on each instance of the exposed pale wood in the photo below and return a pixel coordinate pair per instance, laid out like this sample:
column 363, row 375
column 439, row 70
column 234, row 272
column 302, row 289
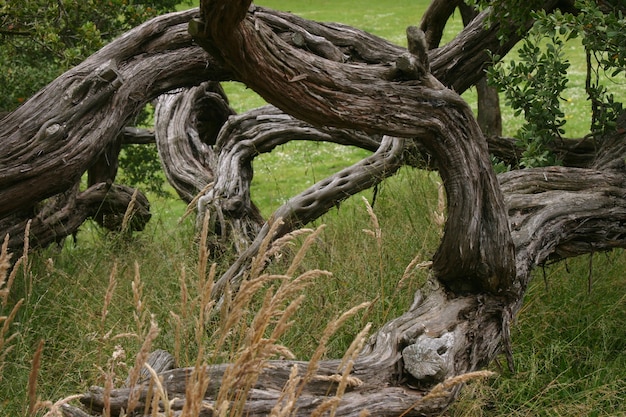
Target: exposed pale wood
column 185, row 148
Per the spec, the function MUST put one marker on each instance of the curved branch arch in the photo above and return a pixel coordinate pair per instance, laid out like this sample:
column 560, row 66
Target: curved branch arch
column 380, row 99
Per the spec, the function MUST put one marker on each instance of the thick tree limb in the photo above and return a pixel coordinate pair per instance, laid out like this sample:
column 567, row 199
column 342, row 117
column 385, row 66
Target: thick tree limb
column 313, row 202
column 60, row 133
column 63, row 215
column 380, row 100
column 185, row 142
column 47, row 144
column 443, row 334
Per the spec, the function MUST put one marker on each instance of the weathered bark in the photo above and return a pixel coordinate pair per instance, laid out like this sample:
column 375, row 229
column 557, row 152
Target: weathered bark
column 63, row 214
column 326, row 92
column 433, row 24
column 455, row 333
column 49, row 143
column 317, row 200
column 554, row 212
column 580, row 153
column 498, row 229
column 187, row 123
column 259, row 131
column 66, row 129
column 439, row 328
column 435, row 19
column 488, row 100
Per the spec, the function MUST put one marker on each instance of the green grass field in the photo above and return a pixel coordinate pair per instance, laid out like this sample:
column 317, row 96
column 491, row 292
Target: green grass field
column 95, row 296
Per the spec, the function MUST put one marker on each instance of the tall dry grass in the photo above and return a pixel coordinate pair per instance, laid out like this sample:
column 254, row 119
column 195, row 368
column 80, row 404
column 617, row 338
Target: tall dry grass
column 7, row 276
column 244, row 330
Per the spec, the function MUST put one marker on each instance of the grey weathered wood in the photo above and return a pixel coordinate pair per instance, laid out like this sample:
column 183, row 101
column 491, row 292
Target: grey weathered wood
column 317, row 200
column 57, row 135
column 498, row 228
column 104, row 93
column 186, row 152
column 71, row 411
column 160, row 361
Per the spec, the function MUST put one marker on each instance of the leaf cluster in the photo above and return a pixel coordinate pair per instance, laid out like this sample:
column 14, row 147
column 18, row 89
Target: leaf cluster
column 533, row 83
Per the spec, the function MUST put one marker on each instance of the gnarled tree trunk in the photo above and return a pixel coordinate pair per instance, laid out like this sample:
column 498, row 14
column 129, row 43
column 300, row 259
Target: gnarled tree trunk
column 72, row 126
column 333, row 83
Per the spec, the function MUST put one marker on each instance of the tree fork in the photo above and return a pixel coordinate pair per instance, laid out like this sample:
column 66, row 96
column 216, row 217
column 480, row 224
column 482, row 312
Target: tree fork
column 383, row 101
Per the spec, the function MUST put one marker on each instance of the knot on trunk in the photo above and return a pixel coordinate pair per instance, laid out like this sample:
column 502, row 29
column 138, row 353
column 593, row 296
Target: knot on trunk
column 429, row 359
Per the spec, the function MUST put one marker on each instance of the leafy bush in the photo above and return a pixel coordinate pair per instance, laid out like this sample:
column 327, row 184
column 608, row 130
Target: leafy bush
column 533, row 84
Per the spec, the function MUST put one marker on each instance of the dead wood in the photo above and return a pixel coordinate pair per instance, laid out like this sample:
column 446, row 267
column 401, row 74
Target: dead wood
column 73, row 124
column 498, row 228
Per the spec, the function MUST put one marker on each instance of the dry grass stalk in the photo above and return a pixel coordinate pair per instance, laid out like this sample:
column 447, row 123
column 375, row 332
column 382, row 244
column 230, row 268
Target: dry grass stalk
column 130, row 211
column 351, row 381
column 258, row 263
column 377, row 233
column 308, row 242
column 5, row 341
column 108, row 388
column 109, row 375
column 108, row 296
column 54, row 409
column 439, row 215
column 178, row 325
column 193, row 204
column 5, row 265
column 32, row 379
column 411, row 267
column 322, row 346
column 203, row 256
column 256, row 350
column 205, row 284
column 5, row 289
column 140, row 360
column 13, row 274
column 184, row 294
column 137, row 287
column 182, row 318
column 279, row 244
column 344, row 380
column 207, row 303
column 25, row 259
column 287, row 401
column 442, row 390
column 23, row 262
column 160, row 397
column 199, row 380
column 258, row 340
column 347, row 363
column 194, row 392
column 326, row 406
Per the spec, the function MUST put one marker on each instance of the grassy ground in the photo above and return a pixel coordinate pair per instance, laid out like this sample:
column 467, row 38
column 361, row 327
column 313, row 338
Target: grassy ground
column 95, row 296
